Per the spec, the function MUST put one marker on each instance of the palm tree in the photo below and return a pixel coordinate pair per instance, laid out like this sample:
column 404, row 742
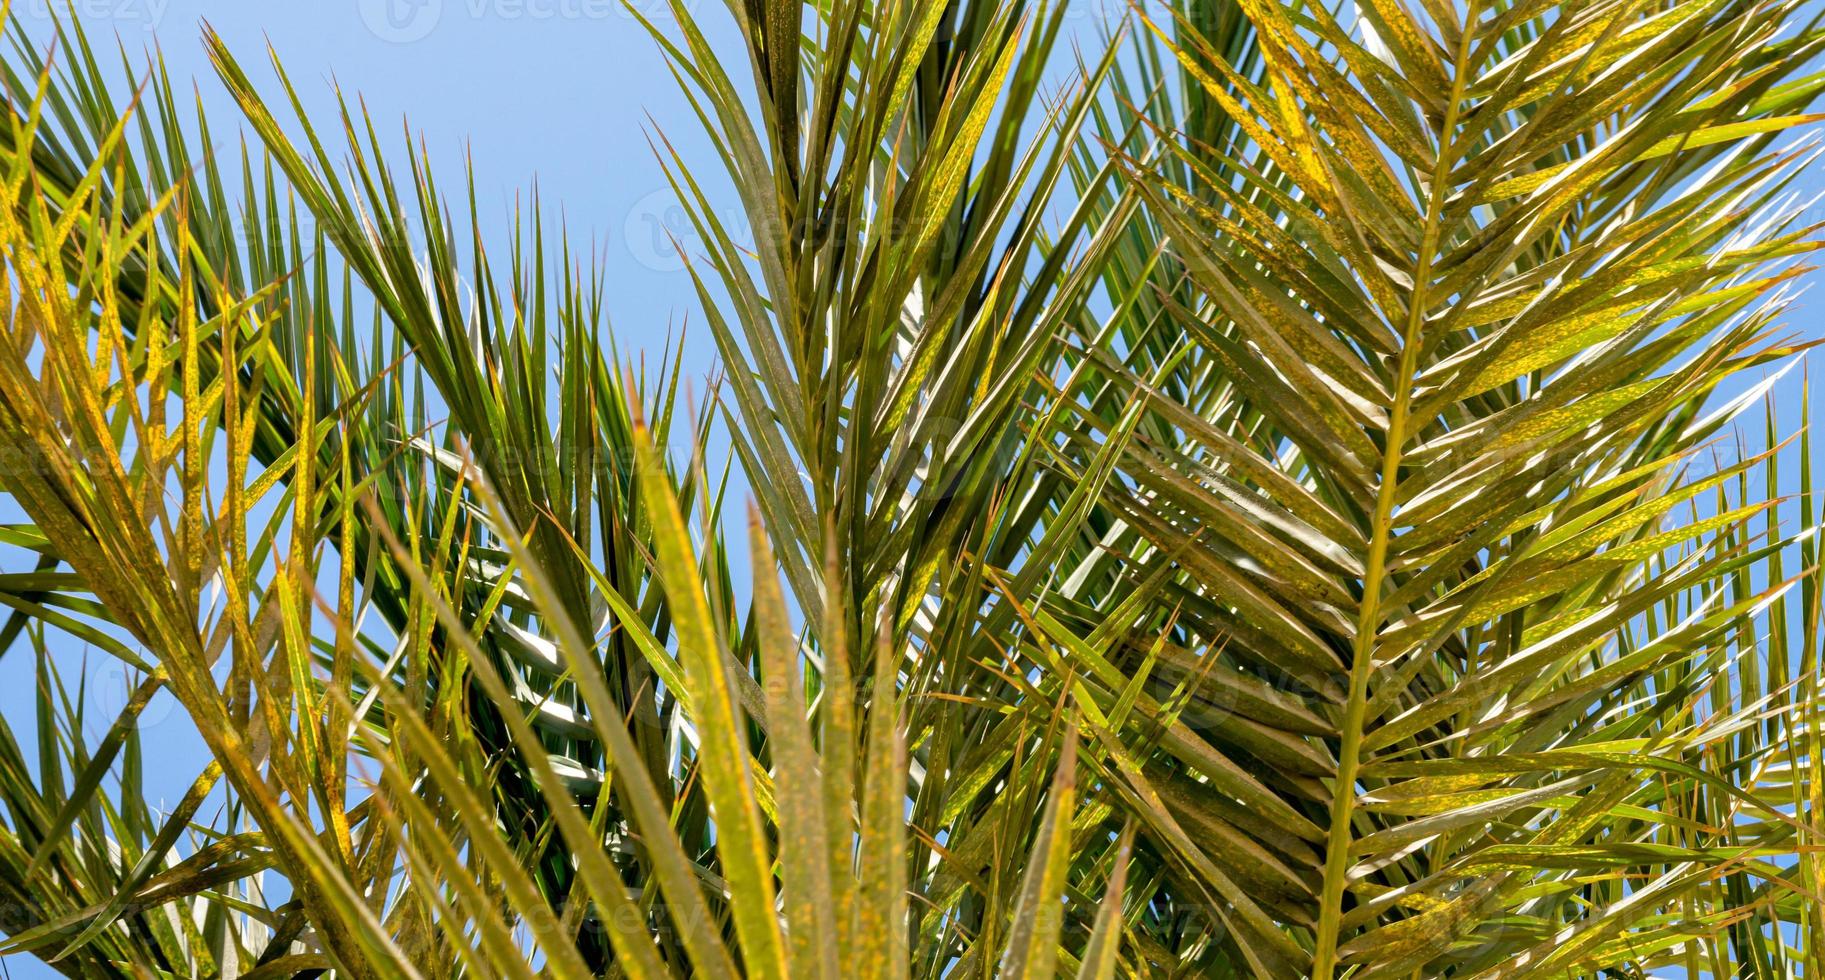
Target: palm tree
column 1277, row 502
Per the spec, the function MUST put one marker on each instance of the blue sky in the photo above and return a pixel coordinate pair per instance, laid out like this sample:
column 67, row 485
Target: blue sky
column 561, row 92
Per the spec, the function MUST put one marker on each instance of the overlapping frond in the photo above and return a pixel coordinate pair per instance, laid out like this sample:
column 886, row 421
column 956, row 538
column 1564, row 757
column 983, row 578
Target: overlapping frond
column 1426, row 457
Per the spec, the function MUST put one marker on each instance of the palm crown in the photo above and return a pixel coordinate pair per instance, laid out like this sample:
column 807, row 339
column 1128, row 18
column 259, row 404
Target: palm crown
column 1277, row 502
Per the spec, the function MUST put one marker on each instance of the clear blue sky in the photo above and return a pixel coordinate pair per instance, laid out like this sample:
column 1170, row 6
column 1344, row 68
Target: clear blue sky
column 557, row 91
